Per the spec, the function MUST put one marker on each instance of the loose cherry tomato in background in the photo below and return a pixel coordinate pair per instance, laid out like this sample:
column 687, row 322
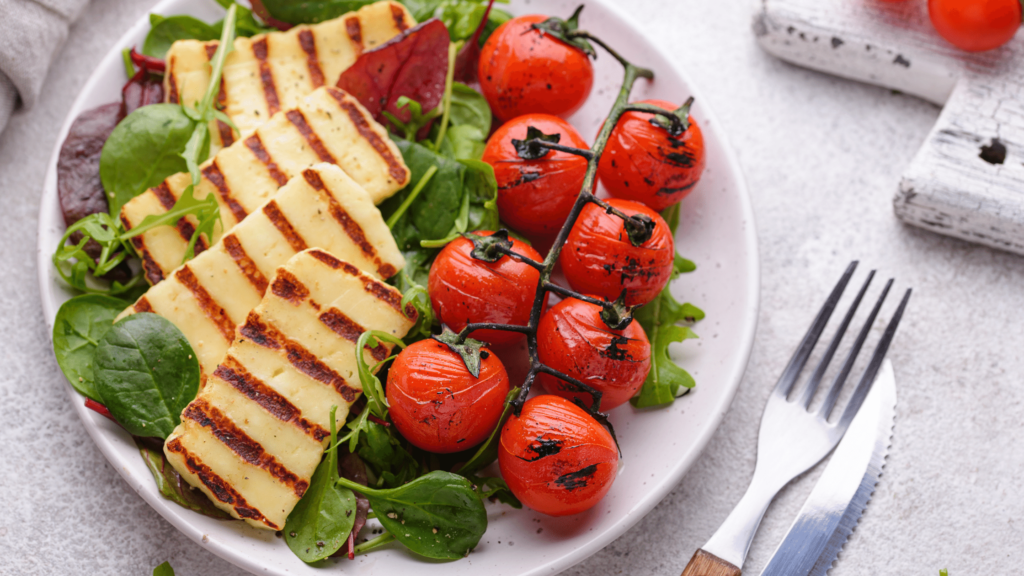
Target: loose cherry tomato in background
column 572, row 339
column 556, row 458
column 464, row 290
column 536, row 196
column 523, row 71
column 976, row 25
column 644, row 163
column 598, row 257
column 437, row 404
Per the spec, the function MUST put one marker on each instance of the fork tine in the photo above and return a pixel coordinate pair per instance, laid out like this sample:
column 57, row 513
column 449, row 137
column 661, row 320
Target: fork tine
column 868, row 379
column 851, row 357
column 799, row 359
column 819, row 372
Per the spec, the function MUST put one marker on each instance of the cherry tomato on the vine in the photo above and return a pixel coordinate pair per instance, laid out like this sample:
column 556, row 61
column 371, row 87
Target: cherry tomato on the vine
column 522, row 71
column 645, row 163
column 598, row 257
column 437, row 404
column 536, row 196
column 572, row 339
column 976, row 25
column 556, row 458
column 465, row 290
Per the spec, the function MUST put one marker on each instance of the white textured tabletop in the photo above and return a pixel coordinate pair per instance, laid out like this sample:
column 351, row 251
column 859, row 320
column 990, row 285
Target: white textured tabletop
column 822, row 156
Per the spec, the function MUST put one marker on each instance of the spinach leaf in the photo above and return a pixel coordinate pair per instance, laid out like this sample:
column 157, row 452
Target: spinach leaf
column 376, row 402
column 167, row 30
column 390, row 462
column 321, row 521
column 171, row 485
column 438, row 515
column 164, row 569
column 496, row 488
column 245, row 25
column 470, row 108
column 146, row 373
column 143, row 150
column 422, row 9
column 80, row 325
column 311, row 11
column 488, row 451
column 659, row 319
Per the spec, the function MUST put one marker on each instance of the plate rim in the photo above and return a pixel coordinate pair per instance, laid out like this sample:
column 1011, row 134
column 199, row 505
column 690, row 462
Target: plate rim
column 102, row 440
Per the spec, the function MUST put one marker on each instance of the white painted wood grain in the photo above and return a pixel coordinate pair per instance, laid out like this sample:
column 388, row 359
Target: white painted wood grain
column 948, row 187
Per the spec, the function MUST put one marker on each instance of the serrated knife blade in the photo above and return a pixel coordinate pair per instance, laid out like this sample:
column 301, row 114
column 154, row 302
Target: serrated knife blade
column 842, row 493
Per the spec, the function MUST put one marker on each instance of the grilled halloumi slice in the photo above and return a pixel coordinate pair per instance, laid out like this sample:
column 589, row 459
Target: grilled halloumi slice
column 327, row 126
column 255, row 433
column 207, row 297
column 272, row 72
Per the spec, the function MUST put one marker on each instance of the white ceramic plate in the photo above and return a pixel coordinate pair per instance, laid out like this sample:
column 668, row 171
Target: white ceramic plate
column 716, row 231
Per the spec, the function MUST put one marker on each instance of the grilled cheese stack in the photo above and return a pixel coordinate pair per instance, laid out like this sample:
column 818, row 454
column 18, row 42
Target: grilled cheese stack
column 213, row 293
column 256, row 432
column 274, row 71
column 327, row 126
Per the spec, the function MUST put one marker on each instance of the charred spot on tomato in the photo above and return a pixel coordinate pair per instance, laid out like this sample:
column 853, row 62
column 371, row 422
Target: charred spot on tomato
column 613, row 352
column 578, row 479
column 543, row 448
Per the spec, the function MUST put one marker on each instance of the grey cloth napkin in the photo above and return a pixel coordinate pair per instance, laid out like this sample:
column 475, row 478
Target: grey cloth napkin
column 31, row 34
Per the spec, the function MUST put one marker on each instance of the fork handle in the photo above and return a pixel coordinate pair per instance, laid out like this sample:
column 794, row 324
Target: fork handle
column 707, row 564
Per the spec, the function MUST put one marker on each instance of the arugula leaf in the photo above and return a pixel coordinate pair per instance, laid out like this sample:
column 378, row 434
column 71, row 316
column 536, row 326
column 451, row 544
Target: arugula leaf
column 166, row 30
column 320, row 523
column 659, row 319
column 74, row 262
column 488, row 451
column 164, row 569
column 245, row 23
column 171, row 485
column 142, row 151
column 438, row 515
column 206, row 211
column 80, row 325
column 146, row 373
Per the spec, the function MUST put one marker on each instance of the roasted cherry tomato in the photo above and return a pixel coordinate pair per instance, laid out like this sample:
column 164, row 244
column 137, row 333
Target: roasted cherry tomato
column 523, row 71
column 465, row 290
column 976, row 25
column 536, row 196
column 437, row 404
column 598, row 257
column 643, row 162
column 572, row 339
column 556, row 458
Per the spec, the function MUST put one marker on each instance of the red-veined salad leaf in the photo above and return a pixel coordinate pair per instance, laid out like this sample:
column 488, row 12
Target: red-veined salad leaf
column 469, row 55
column 414, row 65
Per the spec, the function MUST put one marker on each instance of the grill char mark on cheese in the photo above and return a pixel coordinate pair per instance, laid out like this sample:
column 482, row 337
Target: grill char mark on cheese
column 398, row 15
column 222, row 428
column 172, row 96
column 149, row 266
column 237, row 252
column 185, row 228
column 395, row 167
column 298, row 120
column 209, row 306
column 354, row 28
column 273, row 212
column 216, row 177
column 143, row 305
column 259, row 49
column 350, row 330
column 222, row 490
column 287, row 287
column 351, row 227
column 232, row 372
column 379, row 290
column 227, row 135
column 263, row 334
column 255, row 145
column 308, row 43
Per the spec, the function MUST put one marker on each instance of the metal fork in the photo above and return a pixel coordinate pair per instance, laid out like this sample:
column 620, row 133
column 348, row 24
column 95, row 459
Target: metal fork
column 792, row 438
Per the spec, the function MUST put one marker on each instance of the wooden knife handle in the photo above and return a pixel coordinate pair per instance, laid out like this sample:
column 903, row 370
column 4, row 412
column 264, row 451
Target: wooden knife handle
column 707, row 564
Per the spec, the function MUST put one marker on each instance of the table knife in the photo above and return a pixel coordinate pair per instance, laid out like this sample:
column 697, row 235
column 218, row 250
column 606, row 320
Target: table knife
column 842, row 493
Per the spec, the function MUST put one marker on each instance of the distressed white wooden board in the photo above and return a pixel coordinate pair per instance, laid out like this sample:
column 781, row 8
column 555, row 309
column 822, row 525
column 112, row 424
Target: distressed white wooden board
column 948, row 187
